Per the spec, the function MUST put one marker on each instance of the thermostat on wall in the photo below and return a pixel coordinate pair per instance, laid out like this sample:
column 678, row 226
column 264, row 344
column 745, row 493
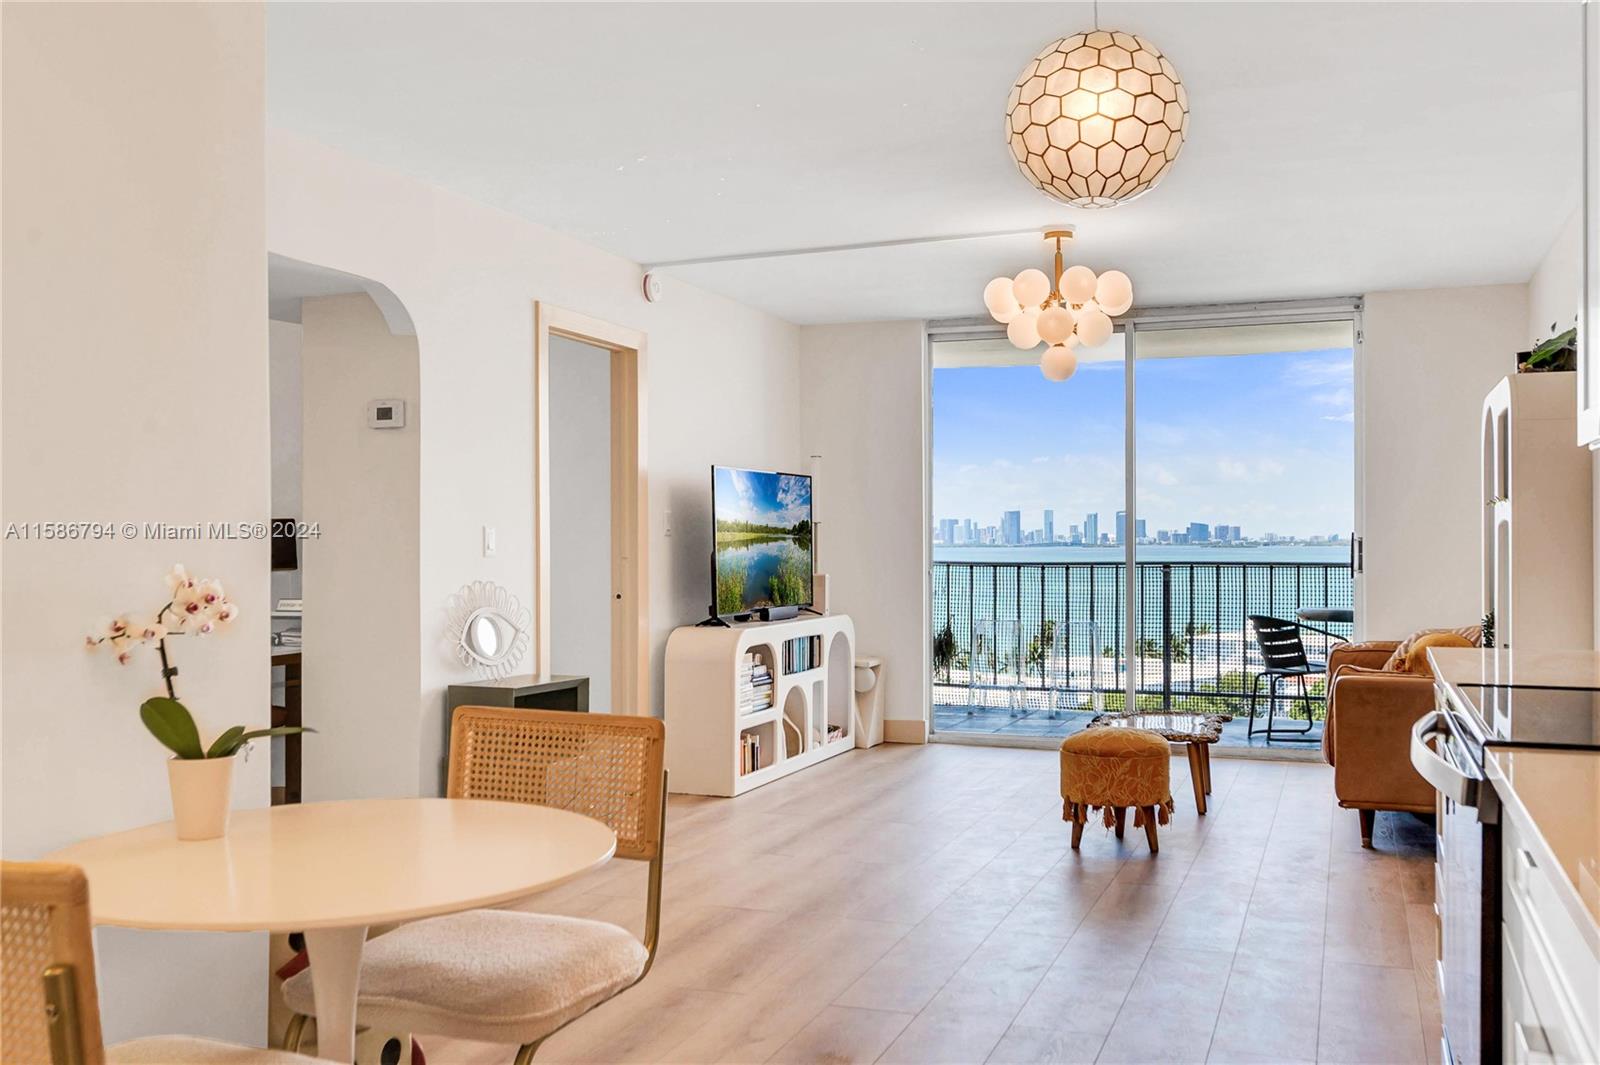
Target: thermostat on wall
column 386, row 414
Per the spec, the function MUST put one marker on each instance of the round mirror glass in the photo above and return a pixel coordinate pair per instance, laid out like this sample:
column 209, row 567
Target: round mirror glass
column 485, row 637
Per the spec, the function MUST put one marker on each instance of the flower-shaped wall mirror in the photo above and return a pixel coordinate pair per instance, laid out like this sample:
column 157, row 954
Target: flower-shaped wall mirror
column 490, row 628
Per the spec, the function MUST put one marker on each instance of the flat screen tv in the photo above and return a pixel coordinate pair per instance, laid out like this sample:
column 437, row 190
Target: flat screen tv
column 761, row 557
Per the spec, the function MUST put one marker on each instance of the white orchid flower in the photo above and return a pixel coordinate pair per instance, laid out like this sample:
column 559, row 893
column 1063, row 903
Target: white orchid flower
column 146, row 629
column 179, row 578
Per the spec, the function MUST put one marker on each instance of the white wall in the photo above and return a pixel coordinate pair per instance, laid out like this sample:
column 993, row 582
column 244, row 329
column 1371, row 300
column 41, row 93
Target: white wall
column 359, row 674
column 135, row 389
column 1427, row 359
column 1555, row 294
column 864, row 407
column 580, row 514
column 724, row 381
column 1556, row 288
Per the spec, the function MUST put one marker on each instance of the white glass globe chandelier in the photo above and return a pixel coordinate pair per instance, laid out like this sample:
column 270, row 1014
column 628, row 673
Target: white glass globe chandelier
column 1097, row 118
column 1065, row 309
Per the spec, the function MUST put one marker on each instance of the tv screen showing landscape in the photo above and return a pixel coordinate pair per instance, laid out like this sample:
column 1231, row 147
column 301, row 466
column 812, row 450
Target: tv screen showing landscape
column 762, row 554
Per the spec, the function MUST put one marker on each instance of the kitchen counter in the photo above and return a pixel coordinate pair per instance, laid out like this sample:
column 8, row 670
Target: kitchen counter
column 1544, row 669
column 1556, row 795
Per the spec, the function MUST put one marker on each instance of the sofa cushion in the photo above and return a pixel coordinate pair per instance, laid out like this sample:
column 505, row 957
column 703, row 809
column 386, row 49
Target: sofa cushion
column 499, row 976
column 1397, row 663
column 1417, row 657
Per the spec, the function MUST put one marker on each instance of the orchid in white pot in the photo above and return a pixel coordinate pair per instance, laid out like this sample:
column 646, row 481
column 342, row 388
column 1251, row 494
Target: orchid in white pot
column 201, row 777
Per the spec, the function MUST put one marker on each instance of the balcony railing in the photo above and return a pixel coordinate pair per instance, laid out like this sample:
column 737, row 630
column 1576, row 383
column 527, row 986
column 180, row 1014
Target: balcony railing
column 1047, row 638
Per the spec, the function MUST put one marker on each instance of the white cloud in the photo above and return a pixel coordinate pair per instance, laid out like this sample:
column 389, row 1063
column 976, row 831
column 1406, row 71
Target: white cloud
column 744, row 484
column 794, row 498
column 1317, row 372
column 1156, row 473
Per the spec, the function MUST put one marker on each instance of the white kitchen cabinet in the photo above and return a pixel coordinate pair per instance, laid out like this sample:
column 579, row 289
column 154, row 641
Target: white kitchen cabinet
column 1550, row 938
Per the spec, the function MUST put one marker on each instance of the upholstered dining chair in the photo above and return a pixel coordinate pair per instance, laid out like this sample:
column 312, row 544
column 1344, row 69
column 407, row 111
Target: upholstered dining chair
column 49, row 1007
column 507, row 976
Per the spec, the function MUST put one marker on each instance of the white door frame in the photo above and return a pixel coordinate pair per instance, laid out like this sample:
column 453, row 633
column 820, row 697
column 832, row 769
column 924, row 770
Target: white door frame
column 630, row 500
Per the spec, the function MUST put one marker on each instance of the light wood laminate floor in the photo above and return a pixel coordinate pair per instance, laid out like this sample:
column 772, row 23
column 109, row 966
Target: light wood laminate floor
column 922, row 904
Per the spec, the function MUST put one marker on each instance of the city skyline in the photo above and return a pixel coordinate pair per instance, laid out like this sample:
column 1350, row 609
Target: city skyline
column 1010, row 531
column 1266, row 441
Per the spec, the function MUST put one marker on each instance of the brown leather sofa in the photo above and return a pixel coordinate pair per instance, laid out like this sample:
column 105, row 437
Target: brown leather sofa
column 1367, row 737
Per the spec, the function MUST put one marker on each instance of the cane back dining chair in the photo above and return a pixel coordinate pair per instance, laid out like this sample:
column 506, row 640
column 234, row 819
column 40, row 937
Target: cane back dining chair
column 508, row 976
column 50, row 1009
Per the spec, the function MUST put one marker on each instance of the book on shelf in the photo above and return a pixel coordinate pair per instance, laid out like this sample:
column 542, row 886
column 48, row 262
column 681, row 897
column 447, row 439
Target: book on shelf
column 755, row 691
column 749, row 753
column 802, row 653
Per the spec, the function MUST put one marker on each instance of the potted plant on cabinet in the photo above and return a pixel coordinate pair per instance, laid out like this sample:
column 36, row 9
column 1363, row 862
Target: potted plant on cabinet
column 1559, row 353
column 200, row 777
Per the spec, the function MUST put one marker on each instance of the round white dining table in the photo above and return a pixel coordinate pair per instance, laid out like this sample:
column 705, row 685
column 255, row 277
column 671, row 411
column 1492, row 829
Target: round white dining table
column 331, row 870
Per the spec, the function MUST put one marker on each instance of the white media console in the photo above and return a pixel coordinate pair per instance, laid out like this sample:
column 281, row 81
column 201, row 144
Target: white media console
column 705, row 725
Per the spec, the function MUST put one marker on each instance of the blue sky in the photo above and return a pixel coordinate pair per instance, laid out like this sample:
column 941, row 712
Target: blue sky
column 1265, row 442
column 764, row 498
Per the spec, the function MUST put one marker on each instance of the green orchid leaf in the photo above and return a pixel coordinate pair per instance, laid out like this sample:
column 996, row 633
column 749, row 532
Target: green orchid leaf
column 226, row 743
column 239, row 737
column 170, row 722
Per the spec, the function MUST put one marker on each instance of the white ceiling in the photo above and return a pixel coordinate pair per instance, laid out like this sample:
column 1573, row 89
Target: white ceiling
column 1334, row 148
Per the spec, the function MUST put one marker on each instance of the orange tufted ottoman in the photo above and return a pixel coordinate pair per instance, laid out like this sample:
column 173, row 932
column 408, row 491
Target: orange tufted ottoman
column 1113, row 769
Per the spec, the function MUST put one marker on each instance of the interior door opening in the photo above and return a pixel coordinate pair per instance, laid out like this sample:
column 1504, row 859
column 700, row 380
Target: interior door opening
column 590, row 381
column 580, row 514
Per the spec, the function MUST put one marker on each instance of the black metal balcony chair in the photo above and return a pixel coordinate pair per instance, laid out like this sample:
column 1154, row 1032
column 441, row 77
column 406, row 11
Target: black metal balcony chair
column 1283, row 654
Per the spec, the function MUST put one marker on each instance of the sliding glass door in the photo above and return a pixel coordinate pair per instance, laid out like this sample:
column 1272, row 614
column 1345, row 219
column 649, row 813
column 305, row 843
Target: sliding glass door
column 1244, row 510
column 1103, row 543
column 1028, row 586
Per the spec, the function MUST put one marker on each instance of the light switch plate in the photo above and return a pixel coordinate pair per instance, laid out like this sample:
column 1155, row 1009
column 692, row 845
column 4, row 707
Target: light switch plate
column 488, row 541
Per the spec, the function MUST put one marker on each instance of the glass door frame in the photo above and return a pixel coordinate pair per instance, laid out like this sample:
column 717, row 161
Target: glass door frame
column 1275, row 312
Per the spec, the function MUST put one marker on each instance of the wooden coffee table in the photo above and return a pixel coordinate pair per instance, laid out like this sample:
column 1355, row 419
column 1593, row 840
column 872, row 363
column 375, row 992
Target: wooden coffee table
column 1197, row 731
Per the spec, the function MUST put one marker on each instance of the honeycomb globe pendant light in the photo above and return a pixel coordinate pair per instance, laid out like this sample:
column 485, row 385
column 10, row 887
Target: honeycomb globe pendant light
column 1097, row 118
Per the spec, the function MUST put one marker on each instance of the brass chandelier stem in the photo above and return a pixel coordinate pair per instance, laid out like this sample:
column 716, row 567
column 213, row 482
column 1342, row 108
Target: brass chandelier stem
column 1057, row 235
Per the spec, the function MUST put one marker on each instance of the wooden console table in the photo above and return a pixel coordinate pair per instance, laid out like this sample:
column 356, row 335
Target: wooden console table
column 525, row 691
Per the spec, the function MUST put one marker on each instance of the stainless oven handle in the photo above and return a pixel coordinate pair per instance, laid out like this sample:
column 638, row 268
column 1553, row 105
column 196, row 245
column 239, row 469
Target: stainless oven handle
column 1434, row 767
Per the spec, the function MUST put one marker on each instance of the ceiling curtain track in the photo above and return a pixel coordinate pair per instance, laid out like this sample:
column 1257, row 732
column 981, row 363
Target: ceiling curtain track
column 1261, row 311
